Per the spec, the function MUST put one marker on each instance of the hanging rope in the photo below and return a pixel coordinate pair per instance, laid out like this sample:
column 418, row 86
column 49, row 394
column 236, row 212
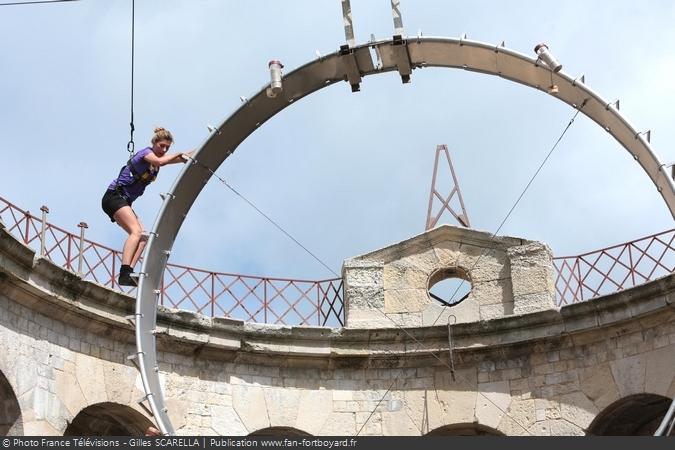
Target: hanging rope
column 130, row 144
column 418, row 342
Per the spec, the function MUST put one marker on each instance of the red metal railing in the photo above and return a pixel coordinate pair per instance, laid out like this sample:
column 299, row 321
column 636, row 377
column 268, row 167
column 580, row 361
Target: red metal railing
column 305, row 302
column 614, row 268
column 249, row 298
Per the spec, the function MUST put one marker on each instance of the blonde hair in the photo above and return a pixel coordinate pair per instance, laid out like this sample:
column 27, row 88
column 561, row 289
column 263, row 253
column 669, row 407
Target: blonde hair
column 161, row 134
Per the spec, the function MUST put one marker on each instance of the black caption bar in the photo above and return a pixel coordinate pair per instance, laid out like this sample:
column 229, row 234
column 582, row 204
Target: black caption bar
column 335, row 442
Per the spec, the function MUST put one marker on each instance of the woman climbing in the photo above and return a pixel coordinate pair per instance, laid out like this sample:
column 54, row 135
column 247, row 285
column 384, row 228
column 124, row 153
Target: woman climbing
column 141, row 170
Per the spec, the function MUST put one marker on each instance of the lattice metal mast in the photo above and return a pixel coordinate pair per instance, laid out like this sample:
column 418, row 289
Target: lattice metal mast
column 462, row 217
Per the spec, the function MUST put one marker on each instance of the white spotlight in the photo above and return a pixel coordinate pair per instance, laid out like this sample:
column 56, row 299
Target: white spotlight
column 545, row 55
column 275, row 78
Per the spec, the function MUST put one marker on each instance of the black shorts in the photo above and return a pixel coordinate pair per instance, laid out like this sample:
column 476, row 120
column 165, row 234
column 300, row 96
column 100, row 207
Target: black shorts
column 112, row 201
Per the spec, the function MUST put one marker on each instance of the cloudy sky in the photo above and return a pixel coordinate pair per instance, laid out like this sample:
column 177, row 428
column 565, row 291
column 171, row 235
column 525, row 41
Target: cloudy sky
column 344, row 173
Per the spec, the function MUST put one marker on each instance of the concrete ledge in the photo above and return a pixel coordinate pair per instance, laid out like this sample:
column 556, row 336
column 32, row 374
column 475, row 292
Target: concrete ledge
column 14, row 255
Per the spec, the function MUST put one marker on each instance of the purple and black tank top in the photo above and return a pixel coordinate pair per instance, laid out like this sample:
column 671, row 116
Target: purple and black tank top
column 127, row 184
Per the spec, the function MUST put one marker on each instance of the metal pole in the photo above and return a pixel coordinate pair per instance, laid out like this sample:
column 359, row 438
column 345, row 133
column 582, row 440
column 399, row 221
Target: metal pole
column 45, row 211
column 82, row 226
column 69, row 252
column 319, row 303
column 580, row 285
column 213, row 293
column 265, row 300
column 113, row 269
column 25, row 236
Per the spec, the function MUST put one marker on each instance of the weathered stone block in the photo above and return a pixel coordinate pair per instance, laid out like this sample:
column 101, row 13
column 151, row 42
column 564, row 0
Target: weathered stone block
column 339, row 424
column 532, row 273
column 404, row 320
column 485, row 265
column 447, row 253
column 399, row 423
column 89, row 373
column 489, row 312
column 578, row 409
column 177, row 411
column 520, row 417
column 659, row 370
column 491, row 402
column 369, row 424
column 457, row 406
column 314, row 409
column 367, row 318
column 561, row 427
column 404, row 277
column 530, row 303
column 364, row 297
column 405, row 301
column 249, row 404
column 363, row 276
column 68, row 390
column 463, row 312
column 282, row 406
column 491, row 292
column 629, row 374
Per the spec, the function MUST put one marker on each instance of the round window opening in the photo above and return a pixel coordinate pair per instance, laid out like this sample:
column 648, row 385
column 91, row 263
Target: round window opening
column 449, row 287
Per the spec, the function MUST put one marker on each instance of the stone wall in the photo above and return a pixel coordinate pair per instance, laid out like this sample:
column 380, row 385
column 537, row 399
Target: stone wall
column 545, row 373
column 390, row 287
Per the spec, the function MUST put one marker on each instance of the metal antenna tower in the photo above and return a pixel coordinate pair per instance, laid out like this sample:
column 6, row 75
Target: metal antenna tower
column 462, row 217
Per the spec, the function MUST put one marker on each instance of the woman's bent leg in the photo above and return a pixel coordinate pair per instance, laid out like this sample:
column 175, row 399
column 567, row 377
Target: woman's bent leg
column 126, row 218
column 141, row 246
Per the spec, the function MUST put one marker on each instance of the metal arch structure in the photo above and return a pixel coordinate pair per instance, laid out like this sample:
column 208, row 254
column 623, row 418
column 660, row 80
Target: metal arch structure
column 351, row 64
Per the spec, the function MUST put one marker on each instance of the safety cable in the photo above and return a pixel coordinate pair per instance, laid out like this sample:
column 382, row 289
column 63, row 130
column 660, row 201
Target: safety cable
column 130, row 144
column 418, row 342
column 222, row 180
column 37, row 2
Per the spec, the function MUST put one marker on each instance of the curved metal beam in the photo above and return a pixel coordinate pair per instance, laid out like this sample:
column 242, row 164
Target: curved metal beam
column 352, row 65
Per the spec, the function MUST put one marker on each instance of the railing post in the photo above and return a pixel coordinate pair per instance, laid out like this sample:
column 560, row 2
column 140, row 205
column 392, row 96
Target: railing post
column 43, row 227
column 25, row 236
column 80, row 256
column 113, row 269
column 69, row 257
column 265, row 300
column 213, row 293
column 341, row 289
column 318, row 304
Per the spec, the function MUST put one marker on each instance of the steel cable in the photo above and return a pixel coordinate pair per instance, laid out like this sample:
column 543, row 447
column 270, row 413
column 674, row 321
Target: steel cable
column 36, row 2
column 269, row 219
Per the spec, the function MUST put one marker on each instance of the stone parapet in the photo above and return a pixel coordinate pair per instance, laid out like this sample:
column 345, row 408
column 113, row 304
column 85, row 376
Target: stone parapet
column 390, row 287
